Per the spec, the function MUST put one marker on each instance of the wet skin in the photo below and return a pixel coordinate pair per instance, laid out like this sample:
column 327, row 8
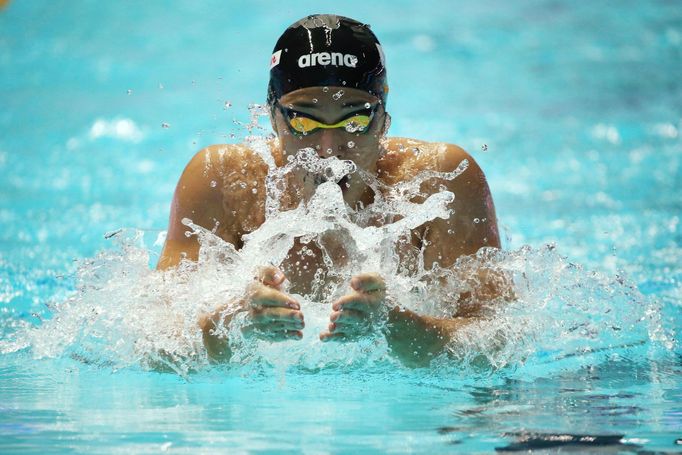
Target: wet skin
column 233, row 209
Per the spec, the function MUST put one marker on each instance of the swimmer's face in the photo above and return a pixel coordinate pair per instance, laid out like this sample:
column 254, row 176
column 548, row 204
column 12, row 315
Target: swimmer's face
column 330, row 106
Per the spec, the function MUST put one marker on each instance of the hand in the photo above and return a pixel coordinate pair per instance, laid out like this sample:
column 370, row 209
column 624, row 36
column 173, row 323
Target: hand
column 272, row 314
column 355, row 314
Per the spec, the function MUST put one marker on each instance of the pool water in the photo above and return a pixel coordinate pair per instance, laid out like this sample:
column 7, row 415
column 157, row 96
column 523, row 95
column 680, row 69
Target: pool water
column 573, row 110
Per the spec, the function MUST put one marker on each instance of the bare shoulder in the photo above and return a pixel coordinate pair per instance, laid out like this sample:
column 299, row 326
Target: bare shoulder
column 239, row 175
column 208, row 172
column 406, row 157
column 472, row 223
column 223, row 159
column 220, row 189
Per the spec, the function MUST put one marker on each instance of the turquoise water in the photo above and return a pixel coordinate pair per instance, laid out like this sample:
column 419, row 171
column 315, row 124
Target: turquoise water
column 578, row 107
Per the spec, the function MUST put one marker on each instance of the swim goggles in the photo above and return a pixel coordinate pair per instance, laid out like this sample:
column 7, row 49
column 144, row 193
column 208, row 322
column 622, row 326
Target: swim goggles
column 302, row 124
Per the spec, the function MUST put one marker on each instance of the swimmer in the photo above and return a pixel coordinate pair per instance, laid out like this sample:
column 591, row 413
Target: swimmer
column 328, row 91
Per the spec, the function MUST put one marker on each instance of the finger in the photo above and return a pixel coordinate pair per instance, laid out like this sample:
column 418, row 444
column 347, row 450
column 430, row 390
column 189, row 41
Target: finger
column 266, row 315
column 368, row 282
column 270, row 276
column 347, row 317
column 355, row 301
column 264, row 296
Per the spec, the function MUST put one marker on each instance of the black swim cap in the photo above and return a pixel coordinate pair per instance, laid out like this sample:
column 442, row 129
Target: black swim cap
column 327, row 50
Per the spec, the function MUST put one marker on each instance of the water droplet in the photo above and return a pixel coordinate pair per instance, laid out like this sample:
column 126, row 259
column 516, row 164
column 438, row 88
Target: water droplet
column 484, row 147
column 314, row 100
column 351, row 144
column 227, row 105
column 165, row 125
column 213, row 183
column 336, row 96
column 254, row 190
column 129, row 92
column 325, row 89
column 476, row 220
column 354, row 127
column 367, row 105
column 330, row 151
column 242, row 185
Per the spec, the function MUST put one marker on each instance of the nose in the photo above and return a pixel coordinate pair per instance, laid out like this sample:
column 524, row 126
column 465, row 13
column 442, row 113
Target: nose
column 330, row 141
column 326, row 141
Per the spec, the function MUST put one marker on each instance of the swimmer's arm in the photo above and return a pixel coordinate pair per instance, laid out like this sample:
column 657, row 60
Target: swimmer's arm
column 198, row 199
column 217, row 348
column 201, row 201
column 415, row 340
column 472, row 225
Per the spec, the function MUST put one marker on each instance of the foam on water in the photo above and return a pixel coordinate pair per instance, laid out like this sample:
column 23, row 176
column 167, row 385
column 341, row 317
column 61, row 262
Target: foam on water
column 124, row 314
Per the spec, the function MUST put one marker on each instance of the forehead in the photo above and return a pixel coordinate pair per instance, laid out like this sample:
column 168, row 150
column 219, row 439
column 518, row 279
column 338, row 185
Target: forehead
column 327, row 97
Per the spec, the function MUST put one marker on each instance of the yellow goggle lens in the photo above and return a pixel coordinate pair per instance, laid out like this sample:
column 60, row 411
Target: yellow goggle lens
column 351, row 124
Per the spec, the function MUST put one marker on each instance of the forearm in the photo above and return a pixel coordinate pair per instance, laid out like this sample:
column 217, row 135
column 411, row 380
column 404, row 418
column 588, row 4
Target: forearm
column 215, row 340
column 416, row 339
